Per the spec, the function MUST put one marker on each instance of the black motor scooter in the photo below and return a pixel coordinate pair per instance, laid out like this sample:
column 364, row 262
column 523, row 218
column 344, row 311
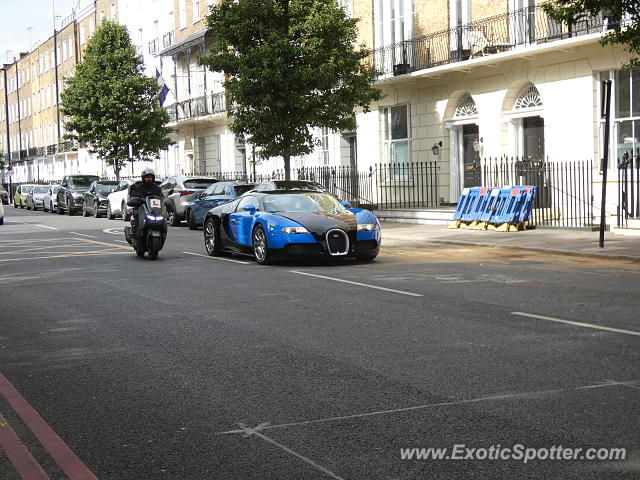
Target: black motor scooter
column 152, row 226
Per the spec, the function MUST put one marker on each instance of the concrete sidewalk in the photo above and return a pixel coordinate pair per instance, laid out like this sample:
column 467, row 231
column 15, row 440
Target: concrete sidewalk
column 568, row 241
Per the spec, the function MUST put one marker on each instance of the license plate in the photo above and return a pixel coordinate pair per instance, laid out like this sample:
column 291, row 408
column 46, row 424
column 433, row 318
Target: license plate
column 154, row 203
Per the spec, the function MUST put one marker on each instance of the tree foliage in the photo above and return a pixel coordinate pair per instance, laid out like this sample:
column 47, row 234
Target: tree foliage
column 290, row 66
column 111, row 104
column 625, row 15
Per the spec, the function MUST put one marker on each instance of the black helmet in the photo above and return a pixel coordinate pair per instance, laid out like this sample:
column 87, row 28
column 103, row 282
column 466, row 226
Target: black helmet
column 148, row 171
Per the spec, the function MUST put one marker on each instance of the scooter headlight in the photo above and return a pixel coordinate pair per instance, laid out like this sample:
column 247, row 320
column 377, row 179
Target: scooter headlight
column 154, row 218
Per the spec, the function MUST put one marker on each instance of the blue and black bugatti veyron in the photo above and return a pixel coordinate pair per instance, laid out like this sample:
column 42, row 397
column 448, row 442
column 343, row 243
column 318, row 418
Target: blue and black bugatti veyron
column 282, row 222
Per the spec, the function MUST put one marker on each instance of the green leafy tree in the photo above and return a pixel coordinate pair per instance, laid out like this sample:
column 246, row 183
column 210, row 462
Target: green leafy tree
column 290, row 66
column 112, row 106
column 625, row 15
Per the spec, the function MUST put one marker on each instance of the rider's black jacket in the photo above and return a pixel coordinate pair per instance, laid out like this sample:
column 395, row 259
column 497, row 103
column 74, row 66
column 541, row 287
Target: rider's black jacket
column 145, row 189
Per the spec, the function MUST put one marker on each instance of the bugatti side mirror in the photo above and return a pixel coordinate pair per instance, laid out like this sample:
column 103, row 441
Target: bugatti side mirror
column 250, row 208
column 345, row 204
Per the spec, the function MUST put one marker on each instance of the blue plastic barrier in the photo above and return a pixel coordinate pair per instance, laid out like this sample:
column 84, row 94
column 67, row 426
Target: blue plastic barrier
column 527, row 203
column 511, row 206
column 508, row 206
column 492, row 202
column 462, row 204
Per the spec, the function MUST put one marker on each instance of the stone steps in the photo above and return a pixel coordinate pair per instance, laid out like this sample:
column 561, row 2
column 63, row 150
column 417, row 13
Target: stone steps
column 436, row 216
column 631, row 230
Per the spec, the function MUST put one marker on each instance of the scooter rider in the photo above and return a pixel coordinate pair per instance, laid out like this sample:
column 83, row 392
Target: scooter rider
column 147, row 188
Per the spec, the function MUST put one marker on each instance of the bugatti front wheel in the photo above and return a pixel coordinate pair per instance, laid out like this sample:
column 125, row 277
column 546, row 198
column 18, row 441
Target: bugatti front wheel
column 260, row 246
column 211, row 237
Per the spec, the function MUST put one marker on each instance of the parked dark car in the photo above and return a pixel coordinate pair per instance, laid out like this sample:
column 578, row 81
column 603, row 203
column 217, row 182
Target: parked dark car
column 215, row 194
column 291, row 185
column 178, row 191
column 95, row 199
column 71, row 194
column 4, row 196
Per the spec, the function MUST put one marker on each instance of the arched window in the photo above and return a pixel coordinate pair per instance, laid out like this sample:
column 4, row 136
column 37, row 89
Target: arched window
column 466, row 107
column 528, row 98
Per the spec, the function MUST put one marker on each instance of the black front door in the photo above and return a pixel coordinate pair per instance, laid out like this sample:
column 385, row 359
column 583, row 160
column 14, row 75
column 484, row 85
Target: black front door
column 471, row 157
column 533, row 133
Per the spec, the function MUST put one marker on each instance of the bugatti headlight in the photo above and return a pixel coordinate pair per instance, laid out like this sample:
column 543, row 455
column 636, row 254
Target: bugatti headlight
column 367, row 227
column 292, row 230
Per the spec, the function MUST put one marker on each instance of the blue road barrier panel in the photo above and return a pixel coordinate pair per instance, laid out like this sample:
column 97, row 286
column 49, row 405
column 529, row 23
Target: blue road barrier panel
column 509, row 207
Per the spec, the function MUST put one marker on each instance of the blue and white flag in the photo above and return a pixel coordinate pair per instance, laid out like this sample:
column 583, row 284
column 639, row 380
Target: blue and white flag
column 164, row 90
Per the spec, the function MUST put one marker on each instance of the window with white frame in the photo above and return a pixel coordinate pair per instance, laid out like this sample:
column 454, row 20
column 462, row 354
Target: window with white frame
column 196, row 11
column 625, row 112
column 347, row 6
column 394, row 21
column 182, row 12
column 324, row 146
column 395, row 134
column 82, row 35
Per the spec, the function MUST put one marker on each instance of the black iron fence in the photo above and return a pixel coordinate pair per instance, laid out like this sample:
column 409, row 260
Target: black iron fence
column 628, row 187
column 564, row 190
column 381, row 186
column 500, row 33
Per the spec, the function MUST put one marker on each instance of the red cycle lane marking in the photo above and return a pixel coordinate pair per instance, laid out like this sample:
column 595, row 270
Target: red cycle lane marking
column 22, row 460
column 64, row 457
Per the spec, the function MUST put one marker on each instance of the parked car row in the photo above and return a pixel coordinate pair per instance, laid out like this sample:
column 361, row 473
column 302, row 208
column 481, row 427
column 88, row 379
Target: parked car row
column 267, row 220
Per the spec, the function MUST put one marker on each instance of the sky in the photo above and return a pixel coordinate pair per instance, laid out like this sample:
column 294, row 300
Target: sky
column 19, row 15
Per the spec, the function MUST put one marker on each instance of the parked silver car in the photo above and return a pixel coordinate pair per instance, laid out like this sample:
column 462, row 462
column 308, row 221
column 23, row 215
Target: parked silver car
column 178, row 191
column 50, row 201
column 35, row 200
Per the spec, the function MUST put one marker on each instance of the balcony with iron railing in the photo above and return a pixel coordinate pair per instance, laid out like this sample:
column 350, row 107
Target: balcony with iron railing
column 213, row 103
column 168, row 39
column 497, row 34
column 154, row 46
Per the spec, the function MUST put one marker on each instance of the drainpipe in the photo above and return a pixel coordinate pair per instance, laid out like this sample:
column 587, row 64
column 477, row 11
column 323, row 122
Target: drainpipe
column 6, row 116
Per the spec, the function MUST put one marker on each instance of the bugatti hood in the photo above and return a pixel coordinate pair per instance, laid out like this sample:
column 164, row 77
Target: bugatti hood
column 319, row 222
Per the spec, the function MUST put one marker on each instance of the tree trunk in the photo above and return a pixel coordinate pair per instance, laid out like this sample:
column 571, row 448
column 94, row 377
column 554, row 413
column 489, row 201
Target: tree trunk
column 287, row 167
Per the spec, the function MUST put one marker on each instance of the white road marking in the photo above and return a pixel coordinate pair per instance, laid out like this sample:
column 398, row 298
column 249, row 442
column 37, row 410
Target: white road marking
column 44, row 226
column 578, row 324
column 114, row 231
column 358, row 284
column 217, row 258
column 83, row 235
column 256, row 431
column 122, row 241
column 453, row 403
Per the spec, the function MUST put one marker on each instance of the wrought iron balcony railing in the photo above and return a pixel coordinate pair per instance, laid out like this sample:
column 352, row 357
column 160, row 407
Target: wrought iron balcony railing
column 500, row 33
column 196, row 107
column 154, row 46
column 167, row 39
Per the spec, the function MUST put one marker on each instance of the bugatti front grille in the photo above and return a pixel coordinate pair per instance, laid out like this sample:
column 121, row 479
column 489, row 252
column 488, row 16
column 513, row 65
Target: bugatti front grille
column 337, row 242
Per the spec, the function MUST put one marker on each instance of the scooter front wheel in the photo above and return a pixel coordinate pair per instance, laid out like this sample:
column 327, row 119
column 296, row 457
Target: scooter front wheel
column 140, row 253
column 154, row 247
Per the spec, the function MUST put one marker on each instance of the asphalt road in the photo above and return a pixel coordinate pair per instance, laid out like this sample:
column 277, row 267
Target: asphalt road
column 192, row 368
